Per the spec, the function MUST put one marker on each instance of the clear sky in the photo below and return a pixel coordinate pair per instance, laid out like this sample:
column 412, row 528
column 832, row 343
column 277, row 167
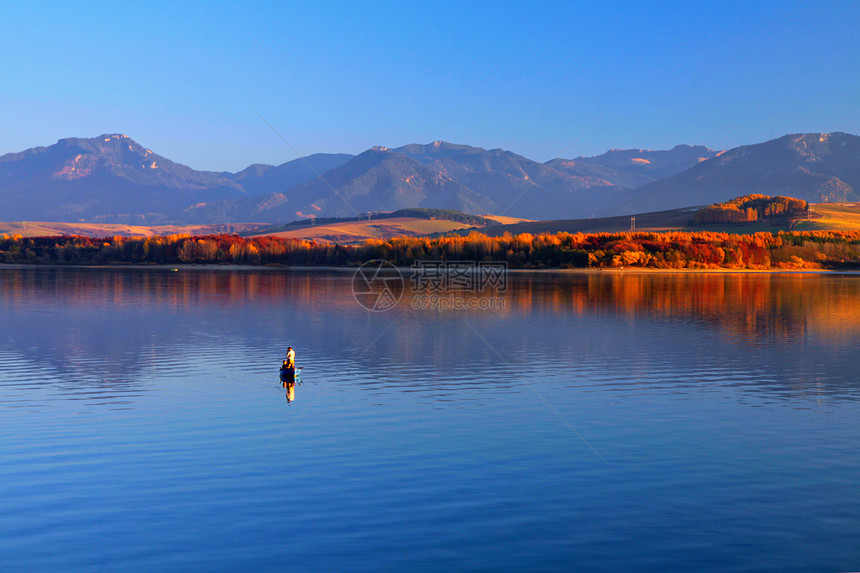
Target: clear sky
column 542, row 79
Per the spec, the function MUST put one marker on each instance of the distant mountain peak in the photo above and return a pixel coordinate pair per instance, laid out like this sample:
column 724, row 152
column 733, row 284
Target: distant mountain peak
column 437, row 148
column 113, row 152
column 681, row 147
column 816, row 167
column 631, row 168
column 103, row 138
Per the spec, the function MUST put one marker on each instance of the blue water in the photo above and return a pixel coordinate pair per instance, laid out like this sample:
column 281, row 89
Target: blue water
column 602, row 422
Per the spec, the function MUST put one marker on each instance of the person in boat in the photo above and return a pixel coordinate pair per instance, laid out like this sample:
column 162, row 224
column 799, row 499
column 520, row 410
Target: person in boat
column 290, row 360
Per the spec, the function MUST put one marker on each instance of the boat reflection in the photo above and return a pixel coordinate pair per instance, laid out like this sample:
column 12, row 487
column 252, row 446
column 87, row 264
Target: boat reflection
column 291, row 390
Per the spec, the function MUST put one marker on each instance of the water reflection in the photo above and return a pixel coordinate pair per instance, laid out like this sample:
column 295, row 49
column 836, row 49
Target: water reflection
column 749, row 305
column 427, row 440
column 291, row 390
column 106, row 334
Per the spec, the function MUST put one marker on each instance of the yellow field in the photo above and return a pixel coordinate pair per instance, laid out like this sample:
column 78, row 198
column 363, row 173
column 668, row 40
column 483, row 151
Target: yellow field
column 506, row 220
column 825, row 216
column 659, row 221
column 353, row 232
column 832, row 217
column 47, row 229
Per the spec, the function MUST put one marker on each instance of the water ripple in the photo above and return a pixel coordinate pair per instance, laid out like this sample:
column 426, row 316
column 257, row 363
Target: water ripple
column 591, row 423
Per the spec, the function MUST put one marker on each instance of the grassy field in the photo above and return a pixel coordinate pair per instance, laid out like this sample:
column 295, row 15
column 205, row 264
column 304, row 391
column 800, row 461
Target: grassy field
column 660, row 221
column 343, row 232
column 354, row 232
column 502, row 219
column 825, row 216
column 832, row 217
column 46, row 229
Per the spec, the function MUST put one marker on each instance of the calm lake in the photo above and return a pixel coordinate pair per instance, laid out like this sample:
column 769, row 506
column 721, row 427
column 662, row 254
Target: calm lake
column 575, row 422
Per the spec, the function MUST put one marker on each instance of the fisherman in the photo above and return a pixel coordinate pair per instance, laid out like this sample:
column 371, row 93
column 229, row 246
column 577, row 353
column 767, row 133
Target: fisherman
column 290, row 361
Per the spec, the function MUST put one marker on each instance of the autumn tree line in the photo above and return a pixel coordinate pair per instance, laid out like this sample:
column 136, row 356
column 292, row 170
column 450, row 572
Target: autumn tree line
column 752, row 208
column 665, row 250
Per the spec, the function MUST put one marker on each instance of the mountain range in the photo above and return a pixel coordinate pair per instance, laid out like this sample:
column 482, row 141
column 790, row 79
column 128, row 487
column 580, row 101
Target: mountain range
column 816, row 167
column 111, row 178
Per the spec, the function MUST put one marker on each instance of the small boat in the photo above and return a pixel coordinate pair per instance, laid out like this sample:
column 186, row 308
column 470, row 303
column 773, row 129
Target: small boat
column 290, row 374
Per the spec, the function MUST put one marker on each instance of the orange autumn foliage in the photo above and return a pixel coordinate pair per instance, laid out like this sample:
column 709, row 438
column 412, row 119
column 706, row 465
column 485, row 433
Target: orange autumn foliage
column 667, row 250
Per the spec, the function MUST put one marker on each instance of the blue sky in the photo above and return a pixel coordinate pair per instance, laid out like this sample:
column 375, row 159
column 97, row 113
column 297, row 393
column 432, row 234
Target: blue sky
column 543, row 79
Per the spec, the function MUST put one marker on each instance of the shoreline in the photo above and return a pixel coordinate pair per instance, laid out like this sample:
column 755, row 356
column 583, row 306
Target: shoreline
column 602, row 252
column 315, row 268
